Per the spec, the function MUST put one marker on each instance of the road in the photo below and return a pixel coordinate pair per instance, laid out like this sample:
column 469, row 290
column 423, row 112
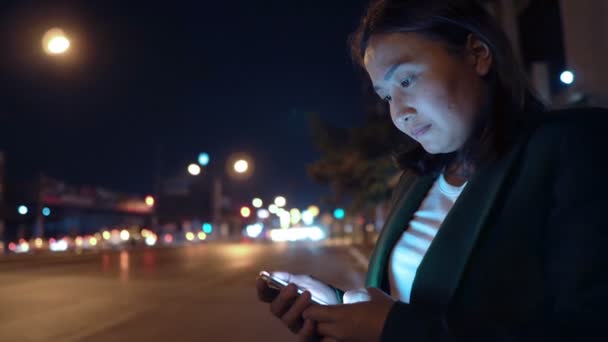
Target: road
column 195, row 293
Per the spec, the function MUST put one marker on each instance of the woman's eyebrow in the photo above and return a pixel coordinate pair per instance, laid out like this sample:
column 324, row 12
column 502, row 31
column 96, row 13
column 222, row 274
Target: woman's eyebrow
column 389, row 73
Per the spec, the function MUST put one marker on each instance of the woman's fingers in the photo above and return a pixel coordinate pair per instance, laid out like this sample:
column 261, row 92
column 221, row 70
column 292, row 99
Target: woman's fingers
column 293, row 317
column 329, row 331
column 281, row 304
column 265, row 292
column 307, row 333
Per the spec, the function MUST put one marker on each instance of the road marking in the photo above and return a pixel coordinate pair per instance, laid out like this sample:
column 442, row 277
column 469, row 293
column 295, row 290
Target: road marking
column 359, row 257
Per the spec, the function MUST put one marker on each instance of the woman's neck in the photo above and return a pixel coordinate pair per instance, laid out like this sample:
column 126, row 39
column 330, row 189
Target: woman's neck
column 454, row 180
column 456, row 174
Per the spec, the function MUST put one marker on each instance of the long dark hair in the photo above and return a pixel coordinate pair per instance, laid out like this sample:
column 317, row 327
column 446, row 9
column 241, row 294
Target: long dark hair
column 451, row 22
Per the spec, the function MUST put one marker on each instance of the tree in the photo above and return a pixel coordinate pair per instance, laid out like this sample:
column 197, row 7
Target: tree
column 356, row 162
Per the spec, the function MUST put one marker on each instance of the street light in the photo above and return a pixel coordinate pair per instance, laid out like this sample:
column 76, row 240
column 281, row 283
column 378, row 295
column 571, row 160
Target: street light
column 307, row 217
column 22, row 210
column 194, row 169
column 567, row 77
column 55, row 42
column 273, row 209
column 296, row 215
column 256, row 202
column 241, row 166
column 314, row 210
column 263, row 214
column 149, row 201
column 280, row 201
column 284, row 219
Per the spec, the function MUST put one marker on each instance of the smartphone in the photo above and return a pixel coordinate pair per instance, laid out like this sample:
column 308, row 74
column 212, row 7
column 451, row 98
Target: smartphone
column 278, row 284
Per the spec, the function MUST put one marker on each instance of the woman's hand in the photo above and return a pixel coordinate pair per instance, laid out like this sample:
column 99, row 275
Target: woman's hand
column 358, row 322
column 288, row 305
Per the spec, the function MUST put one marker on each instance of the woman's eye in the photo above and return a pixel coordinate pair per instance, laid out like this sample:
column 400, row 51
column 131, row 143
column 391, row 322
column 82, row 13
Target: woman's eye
column 407, row 82
column 387, row 98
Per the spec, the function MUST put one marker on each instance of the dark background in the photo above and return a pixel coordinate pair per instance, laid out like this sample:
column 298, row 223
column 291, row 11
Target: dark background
column 155, row 83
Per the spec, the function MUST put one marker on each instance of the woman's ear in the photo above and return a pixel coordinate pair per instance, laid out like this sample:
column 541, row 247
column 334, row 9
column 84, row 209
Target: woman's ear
column 479, row 55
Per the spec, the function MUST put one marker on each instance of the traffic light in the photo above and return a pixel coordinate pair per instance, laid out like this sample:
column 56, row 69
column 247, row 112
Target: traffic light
column 339, row 213
column 207, row 228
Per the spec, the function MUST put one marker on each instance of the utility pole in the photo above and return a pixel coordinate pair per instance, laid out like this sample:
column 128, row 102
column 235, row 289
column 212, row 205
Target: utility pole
column 157, row 188
column 216, row 202
column 40, row 190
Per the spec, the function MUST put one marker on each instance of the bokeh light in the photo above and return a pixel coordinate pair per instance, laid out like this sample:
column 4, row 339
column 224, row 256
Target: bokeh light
column 241, row 166
column 273, row 208
column 22, row 210
column 194, row 169
column 339, row 213
column 567, row 77
column 280, row 201
column 256, row 202
column 207, row 228
column 314, row 210
column 245, row 212
column 263, row 213
column 55, row 42
column 149, row 201
column 203, row 159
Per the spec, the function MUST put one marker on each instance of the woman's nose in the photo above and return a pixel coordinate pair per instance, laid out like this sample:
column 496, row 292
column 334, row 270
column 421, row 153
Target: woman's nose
column 402, row 114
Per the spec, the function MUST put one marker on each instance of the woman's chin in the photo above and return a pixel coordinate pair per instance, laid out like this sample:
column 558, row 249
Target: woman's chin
column 437, row 148
column 432, row 149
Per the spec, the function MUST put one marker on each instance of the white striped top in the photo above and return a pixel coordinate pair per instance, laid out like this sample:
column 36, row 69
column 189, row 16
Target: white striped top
column 416, row 239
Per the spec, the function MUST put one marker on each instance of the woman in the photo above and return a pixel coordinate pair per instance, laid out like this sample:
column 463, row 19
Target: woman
column 501, row 236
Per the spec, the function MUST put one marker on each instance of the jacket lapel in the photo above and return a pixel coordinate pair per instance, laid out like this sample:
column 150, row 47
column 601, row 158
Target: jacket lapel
column 442, row 267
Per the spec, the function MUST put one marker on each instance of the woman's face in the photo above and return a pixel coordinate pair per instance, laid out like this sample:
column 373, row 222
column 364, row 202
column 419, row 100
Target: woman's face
column 434, row 95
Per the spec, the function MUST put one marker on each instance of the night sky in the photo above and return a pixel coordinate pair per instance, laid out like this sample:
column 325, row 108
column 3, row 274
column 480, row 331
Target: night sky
column 213, row 76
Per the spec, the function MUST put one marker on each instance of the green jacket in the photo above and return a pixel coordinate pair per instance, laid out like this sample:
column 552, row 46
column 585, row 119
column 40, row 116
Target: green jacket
column 522, row 255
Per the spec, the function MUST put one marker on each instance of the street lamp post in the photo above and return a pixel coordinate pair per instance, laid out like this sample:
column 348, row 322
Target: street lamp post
column 239, row 166
column 39, row 224
column 216, row 202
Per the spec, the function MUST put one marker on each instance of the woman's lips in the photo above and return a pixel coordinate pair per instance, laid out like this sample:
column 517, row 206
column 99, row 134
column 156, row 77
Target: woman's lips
column 421, row 131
